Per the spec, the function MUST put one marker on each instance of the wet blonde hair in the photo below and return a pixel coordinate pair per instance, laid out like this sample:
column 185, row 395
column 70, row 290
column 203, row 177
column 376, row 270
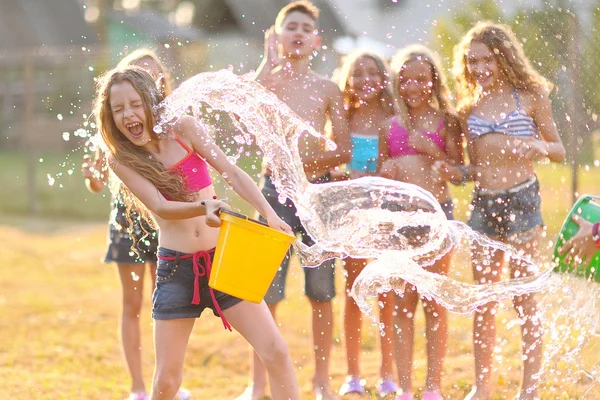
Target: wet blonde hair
column 343, row 75
column 440, row 96
column 123, row 150
column 501, row 41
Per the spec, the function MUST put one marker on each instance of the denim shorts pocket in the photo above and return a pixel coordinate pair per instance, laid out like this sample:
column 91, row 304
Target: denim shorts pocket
column 166, row 270
column 527, row 201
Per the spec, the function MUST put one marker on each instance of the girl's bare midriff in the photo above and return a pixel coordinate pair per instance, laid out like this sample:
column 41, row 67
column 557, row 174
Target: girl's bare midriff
column 188, row 235
column 498, row 164
column 417, row 169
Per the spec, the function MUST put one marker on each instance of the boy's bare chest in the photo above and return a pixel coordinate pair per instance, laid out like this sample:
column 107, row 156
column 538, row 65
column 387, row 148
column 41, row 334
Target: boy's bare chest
column 305, row 100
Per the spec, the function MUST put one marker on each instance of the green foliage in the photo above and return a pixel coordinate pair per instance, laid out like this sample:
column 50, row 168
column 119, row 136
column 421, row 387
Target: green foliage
column 449, row 31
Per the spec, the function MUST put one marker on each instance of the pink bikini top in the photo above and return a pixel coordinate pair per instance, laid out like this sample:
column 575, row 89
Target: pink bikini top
column 398, row 140
column 193, row 169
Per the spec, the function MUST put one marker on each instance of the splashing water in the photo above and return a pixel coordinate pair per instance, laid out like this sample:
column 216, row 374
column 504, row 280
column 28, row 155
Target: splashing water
column 399, row 225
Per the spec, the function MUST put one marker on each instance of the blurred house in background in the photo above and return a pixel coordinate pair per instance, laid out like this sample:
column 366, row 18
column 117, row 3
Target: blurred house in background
column 50, row 51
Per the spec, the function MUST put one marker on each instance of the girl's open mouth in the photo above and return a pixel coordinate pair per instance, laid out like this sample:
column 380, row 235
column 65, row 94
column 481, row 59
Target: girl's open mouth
column 135, row 129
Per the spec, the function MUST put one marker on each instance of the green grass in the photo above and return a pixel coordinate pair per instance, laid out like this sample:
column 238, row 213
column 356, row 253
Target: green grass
column 60, row 306
column 58, row 332
column 68, row 198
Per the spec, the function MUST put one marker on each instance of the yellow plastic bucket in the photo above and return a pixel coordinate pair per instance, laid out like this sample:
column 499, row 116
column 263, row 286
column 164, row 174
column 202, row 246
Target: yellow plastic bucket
column 247, row 256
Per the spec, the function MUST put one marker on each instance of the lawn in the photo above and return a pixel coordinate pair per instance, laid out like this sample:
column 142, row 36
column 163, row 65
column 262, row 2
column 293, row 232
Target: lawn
column 60, row 306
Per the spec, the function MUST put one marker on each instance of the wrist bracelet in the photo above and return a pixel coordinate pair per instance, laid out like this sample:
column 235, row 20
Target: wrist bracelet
column 595, row 234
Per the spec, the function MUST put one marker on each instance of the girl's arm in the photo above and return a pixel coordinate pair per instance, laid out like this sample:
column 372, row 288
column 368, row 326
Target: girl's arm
column 384, row 153
column 235, row 177
column 454, row 169
column 154, row 201
column 95, row 172
column 424, row 145
column 455, row 139
column 550, row 144
column 329, row 159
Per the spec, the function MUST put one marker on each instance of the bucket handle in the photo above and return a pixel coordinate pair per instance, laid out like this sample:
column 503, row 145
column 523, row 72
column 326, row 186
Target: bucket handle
column 242, row 216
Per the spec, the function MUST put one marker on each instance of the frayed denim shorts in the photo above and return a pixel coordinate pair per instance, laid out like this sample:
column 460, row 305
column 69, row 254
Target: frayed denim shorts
column 507, row 214
column 130, row 243
column 177, row 290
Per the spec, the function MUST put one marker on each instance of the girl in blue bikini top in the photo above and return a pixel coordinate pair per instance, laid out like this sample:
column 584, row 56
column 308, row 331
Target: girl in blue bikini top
column 363, row 80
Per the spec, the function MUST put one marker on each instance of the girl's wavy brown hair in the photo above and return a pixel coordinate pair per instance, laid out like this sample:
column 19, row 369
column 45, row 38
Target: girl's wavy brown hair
column 127, row 153
column 441, row 98
column 342, row 78
column 501, row 41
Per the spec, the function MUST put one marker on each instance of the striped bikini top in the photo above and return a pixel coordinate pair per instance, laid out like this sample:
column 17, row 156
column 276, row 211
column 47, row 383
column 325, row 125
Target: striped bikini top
column 516, row 123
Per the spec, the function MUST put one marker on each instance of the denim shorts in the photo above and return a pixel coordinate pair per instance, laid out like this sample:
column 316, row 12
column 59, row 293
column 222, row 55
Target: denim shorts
column 318, row 282
column 174, row 290
column 509, row 213
column 120, row 240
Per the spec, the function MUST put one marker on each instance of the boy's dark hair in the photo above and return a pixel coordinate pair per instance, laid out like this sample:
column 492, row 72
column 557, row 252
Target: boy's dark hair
column 302, row 6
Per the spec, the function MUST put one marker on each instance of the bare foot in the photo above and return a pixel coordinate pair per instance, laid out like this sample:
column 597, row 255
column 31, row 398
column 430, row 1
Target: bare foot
column 477, row 394
column 252, row 393
column 525, row 395
column 324, row 392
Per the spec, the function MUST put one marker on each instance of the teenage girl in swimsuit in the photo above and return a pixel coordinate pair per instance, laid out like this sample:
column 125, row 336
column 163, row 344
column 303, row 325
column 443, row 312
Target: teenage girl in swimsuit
column 426, row 130
column 363, row 81
column 169, row 183
column 505, row 105
column 125, row 233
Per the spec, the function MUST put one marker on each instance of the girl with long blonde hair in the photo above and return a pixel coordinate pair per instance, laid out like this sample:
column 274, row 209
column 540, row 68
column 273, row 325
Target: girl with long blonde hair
column 126, row 232
column 425, row 130
column 504, row 104
column 363, row 80
column 170, row 180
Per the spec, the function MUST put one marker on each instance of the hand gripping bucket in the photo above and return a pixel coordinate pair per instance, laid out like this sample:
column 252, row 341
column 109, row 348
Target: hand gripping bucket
column 588, row 208
column 247, row 256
